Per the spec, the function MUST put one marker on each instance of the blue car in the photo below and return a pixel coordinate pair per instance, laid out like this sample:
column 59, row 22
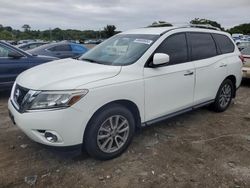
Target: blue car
column 13, row 61
column 60, row 50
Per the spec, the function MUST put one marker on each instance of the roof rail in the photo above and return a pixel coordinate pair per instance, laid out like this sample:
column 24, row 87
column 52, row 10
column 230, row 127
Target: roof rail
column 204, row 26
column 160, row 24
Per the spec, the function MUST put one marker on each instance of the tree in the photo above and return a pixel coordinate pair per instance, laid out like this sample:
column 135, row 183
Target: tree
column 5, row 35
column 26, row 27
column 242, row 28
column 109, row 30
column 203, row 21
column 8, row 28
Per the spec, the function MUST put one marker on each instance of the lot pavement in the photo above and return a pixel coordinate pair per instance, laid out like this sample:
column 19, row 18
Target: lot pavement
column 197, row 149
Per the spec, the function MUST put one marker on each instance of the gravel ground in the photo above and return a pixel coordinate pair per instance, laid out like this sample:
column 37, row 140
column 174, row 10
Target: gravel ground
column 197, row 149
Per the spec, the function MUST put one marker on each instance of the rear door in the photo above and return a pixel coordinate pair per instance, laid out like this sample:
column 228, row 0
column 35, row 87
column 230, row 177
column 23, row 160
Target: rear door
column 210, row 68
column 11, row 67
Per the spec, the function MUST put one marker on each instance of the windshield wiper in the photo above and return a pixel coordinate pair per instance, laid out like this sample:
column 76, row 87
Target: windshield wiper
column 93, row 61
column 90, row 60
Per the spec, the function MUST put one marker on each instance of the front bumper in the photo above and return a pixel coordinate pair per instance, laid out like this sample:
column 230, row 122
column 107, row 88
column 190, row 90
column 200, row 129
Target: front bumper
column 246, row 72
column 68, row 124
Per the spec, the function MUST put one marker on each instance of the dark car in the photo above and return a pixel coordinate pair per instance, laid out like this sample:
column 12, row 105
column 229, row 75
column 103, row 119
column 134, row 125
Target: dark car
column 60, row 50
column 30, row 45
column 13, row 61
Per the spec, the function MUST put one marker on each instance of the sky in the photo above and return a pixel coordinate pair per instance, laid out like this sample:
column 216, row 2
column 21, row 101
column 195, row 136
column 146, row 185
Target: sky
column 124, row 14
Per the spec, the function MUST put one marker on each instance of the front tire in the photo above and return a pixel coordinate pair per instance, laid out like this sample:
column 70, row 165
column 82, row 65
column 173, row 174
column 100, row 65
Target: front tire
column 224, row 96
column 109, row 132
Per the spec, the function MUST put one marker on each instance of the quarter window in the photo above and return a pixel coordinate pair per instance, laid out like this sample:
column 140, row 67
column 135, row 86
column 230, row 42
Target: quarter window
column 176, row 47
column 202, row 45
column 224, row 43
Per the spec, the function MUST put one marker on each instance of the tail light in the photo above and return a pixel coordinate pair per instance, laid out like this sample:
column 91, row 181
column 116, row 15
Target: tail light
column 242, row 58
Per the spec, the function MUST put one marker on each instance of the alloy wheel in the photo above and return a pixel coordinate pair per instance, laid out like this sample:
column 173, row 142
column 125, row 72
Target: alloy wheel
column 225, row 95
column 113, row 134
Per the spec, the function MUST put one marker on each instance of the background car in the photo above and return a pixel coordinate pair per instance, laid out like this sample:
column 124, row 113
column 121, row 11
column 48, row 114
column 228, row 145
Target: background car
column 60, row 50
column 13, row 61
column 30, row 45
column 246, row 66
column 243, row 44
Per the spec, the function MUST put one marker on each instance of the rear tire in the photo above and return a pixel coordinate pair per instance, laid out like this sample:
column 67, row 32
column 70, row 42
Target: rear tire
column 224, row 96
column 109, row 132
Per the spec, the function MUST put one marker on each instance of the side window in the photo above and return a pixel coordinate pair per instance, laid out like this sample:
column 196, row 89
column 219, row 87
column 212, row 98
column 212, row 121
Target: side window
column 25, row 48
column 4, row 52
column 224, row 43
column 202, row 45
column 33, row 46
column 63, row 47
column 176, row 47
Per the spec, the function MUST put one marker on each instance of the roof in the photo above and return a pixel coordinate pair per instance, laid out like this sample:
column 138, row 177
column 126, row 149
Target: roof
column 150, row 30
column 162, row 30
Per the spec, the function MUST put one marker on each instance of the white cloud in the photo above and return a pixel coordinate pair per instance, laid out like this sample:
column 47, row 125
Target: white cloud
column 125, row 14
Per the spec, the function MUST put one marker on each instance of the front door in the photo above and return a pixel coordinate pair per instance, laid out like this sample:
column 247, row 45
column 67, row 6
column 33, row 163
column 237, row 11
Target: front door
column 170, row 88
column 10, row 67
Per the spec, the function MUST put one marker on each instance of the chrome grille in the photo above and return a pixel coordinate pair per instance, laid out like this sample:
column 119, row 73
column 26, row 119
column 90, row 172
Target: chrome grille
column 19, row 94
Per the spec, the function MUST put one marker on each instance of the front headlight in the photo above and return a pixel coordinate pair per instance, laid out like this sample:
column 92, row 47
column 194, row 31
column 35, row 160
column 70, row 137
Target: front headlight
column 54, row 99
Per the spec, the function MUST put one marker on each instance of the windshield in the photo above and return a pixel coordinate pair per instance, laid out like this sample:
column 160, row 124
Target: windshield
column 246, row 51
column 123, row 49
column 244, row 44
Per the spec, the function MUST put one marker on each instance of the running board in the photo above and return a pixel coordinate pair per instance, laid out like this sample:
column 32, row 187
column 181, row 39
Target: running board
column 163, row 118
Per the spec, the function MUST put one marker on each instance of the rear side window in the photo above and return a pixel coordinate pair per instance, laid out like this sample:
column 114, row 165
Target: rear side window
column 202, row 45
column 63, row 47
column 176, row 47
column 224, row 43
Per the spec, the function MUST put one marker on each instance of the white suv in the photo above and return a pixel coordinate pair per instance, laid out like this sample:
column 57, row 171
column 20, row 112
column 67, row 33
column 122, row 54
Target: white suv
column 133, row 79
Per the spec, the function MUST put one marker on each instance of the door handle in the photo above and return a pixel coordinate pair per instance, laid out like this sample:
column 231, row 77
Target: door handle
column 189, row 73
column 223, row 65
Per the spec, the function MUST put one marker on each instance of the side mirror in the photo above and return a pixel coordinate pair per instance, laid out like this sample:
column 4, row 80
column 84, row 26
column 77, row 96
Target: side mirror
column 160, row 59
column 14, row 55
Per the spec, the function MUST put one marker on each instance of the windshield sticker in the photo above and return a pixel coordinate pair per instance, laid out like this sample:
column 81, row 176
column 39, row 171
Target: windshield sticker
column 143, row 41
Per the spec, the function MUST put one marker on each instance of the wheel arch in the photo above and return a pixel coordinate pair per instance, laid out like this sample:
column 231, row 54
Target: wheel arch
column 123, row 102
column 233, row 79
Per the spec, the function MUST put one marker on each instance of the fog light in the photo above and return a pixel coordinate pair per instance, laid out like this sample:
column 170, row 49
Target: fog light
column 50, row 137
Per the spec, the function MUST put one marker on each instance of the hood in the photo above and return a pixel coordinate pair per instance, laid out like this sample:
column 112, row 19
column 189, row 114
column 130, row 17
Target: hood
column 65, row 74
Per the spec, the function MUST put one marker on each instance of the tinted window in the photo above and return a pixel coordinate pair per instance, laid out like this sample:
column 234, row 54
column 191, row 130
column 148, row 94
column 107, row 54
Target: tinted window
column 202, row 45
column 176, row 47
column 224, row 43
column 4, row 52
column 33, row 46
column 25, row 48
column 63, row 47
